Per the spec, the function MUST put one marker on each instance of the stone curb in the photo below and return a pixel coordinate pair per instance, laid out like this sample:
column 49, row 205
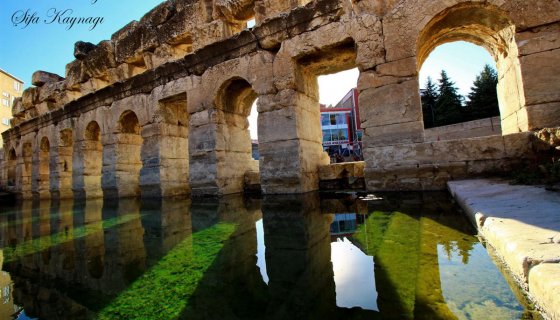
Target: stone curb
column 522, row 224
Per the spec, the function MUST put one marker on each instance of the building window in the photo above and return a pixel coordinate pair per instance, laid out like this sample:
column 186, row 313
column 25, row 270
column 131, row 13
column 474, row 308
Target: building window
column 6, row 95
column 17, row 86
column 6, row 102
column 341, row 118
column 6, row 122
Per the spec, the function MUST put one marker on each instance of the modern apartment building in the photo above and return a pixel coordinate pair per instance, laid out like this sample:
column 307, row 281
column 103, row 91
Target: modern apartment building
column 10, row 88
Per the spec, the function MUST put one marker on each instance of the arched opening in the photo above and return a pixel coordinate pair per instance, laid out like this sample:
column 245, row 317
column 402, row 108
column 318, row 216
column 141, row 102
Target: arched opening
column 43, row 177
column 128, row 123
column 65, row 163
column 92, row 150
column 233, row 141
column 239, row 14
column 485, row 26
column 11, row 167
column 124, row 179
column 340, row 116
column 458, row 84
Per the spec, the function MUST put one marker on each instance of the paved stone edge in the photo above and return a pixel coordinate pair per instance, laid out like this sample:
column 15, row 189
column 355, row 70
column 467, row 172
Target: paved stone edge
column 542, row 283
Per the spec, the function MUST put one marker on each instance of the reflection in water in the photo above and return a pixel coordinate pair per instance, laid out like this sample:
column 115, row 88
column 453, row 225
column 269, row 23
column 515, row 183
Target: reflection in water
column 475, row 296
column 287, row 257
column 353, row 276
column 261, row 250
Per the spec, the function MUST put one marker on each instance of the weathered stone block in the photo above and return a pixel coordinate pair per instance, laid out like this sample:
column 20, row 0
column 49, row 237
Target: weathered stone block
column 99, row 60
column 393, row 134
column 541, row 78
column 160, row 14
column 518, row 145
column 30, row 97
column 342, row 170
column 41, row 78
column 544, row 285
column 82, row 49
column 75, row 74
column 408, row 155
column 482, row 148
column 544, row 115
column 538, row 40
column 391, row 104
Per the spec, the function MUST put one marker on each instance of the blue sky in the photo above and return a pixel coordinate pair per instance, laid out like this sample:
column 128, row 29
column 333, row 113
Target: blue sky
column 49, row 47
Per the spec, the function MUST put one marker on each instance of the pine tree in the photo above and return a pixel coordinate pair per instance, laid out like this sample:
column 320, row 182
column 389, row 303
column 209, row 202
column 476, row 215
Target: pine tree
column 429, row 98
column 483, row 98
column 449, row 107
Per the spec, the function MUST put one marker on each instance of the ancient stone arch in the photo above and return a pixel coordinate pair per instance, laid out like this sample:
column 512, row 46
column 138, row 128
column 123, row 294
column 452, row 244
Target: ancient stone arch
column 179, row 70
column 490, row 27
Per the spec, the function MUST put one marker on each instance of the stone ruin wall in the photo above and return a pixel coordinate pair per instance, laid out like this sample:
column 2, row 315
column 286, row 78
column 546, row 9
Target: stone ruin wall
column 161, row 108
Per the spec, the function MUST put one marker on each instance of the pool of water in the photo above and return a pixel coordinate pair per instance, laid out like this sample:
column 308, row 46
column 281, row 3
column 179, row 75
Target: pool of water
column 394, row 256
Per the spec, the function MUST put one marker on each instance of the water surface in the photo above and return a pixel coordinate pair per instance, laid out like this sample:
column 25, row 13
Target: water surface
column 400, row 256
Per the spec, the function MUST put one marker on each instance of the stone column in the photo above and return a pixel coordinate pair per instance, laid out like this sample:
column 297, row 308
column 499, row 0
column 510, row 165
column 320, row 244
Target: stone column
column 290, row 142
column 390, row 111
column 165, row 157
column 63, row 166
column 42, row 163
column 24, row 171
column 202, row 158
column 539, row 60
column 121, row 165
column 87, row 168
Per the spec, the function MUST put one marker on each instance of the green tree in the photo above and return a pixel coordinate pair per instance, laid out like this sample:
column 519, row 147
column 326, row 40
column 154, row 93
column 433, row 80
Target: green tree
column 449, row 105
column 429, row 98
column 483, row 98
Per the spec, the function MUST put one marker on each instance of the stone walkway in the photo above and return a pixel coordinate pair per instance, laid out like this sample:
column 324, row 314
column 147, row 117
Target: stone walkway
column 522, row 223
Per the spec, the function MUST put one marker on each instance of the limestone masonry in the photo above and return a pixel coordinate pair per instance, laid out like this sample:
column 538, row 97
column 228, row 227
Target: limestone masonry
column 161, row 108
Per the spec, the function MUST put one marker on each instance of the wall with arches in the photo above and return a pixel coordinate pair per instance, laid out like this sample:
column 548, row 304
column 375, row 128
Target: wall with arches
column 163, row 120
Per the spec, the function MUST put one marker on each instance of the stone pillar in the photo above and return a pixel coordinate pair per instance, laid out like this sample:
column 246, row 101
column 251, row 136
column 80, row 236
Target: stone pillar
column 539, row 60
column 88, row 166
column 24, row 171
column 202, row 158
column 290, row 142
column 165, row 157
column 220, row 148
column 63, row 166
column 390, row 110
column 42, row 163
column 121, row 165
